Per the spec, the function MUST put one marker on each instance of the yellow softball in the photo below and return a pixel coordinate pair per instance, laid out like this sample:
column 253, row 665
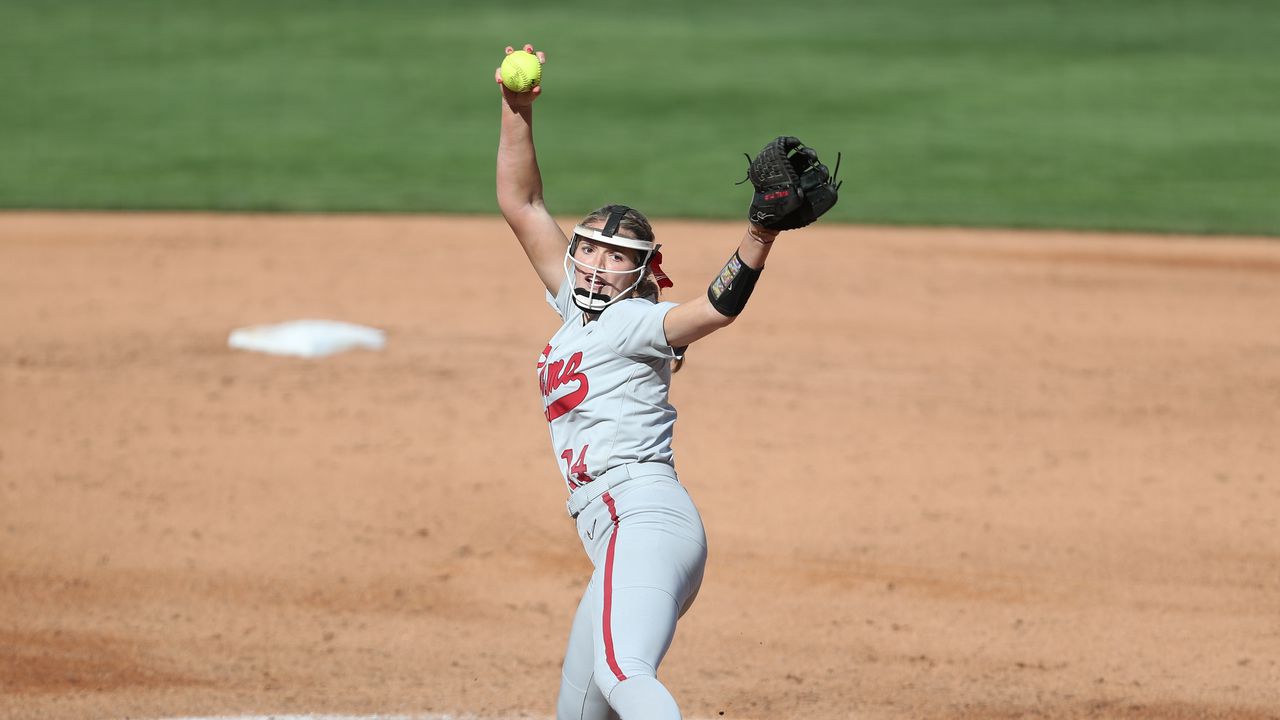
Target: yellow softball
column 521, row 71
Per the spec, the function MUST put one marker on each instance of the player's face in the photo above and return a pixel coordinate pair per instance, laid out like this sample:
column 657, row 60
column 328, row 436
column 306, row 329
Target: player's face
column 616, row 261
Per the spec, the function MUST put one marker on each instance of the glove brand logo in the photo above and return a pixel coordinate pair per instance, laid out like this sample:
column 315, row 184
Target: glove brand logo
column 777, row 194
column 554, row 375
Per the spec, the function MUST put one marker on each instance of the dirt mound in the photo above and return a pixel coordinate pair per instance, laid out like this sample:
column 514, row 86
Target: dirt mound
column 947, row 474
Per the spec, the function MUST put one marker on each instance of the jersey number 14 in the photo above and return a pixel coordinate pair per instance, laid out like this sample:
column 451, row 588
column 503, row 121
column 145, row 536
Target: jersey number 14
column 576, row 471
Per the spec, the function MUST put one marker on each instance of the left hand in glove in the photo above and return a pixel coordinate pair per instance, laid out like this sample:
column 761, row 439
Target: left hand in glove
column 792, row 188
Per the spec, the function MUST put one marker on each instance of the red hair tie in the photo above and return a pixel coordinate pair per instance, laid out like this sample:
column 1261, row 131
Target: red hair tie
column 655, row 266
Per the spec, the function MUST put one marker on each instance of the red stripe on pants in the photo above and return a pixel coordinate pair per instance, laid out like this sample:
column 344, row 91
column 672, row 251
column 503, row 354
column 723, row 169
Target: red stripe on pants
column 608, row 592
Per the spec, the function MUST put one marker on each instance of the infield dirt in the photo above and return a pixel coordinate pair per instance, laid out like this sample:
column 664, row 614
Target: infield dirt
column 945, row 474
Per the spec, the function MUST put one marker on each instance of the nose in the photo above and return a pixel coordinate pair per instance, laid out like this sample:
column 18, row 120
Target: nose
column 597, row 261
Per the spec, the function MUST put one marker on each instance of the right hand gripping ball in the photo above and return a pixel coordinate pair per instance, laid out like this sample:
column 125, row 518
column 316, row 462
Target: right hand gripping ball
column 521, row 71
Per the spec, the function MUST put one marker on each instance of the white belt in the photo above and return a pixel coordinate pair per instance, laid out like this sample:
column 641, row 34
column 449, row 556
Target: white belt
column 587, row 494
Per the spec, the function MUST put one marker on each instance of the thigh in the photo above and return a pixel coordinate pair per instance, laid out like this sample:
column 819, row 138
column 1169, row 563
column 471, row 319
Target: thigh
column 651, row 570
column 636, row 629
column 657, row 541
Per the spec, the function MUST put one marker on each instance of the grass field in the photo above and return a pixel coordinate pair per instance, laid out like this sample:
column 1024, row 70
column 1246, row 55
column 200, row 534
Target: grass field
column 1154, row 115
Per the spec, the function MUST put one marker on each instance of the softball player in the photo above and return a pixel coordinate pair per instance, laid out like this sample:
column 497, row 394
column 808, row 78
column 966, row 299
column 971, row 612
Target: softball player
column 605, row 377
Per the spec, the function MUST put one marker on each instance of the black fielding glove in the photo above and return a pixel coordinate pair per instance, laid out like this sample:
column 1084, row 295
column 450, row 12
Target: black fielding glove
column 793, row 188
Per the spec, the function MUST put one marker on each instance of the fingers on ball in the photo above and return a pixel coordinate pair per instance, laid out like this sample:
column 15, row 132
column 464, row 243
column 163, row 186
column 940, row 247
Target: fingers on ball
column 541, row 55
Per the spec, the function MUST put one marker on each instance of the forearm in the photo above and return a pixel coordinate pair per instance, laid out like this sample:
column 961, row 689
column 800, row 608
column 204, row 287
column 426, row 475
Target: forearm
column 725, row 298
column 519, row 182
column 733, row 285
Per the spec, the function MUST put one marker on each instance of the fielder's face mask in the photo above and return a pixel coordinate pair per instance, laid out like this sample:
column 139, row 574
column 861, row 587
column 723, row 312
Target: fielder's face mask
column 594, row 302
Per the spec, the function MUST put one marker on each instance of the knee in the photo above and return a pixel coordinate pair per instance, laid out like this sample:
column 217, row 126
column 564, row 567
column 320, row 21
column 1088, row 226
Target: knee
column 642, row 696
column 580, row 703
column 608, row 675
column 570, row 700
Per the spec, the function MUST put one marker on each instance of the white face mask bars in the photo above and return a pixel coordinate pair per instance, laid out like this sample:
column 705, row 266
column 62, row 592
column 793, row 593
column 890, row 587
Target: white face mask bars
column 586, row 298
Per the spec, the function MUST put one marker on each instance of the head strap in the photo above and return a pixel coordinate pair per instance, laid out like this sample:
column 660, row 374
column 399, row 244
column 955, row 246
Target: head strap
column 609, row 233
column 615, row 219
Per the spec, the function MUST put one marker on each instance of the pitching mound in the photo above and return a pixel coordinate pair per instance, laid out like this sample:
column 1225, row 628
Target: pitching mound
column 945, row 474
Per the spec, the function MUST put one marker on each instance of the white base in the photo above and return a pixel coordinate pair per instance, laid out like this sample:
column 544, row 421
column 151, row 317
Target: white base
column 306, row 338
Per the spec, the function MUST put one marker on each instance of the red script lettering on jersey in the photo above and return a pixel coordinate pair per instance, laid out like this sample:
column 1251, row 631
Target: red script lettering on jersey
column 553, row 375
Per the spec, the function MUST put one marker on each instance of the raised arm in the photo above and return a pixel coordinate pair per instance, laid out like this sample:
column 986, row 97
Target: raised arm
column 519, row 185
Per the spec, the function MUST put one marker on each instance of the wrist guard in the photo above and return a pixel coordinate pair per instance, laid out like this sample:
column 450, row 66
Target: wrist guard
column 728, row 293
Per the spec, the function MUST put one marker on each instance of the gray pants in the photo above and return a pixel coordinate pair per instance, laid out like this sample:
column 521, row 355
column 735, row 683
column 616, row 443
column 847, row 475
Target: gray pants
column 646, row 541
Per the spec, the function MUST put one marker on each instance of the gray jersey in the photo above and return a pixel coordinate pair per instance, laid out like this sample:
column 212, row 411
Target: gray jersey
column 605, row 385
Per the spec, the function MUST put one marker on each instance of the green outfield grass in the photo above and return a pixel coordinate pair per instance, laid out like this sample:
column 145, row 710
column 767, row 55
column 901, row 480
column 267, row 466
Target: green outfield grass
column 1138, row 114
